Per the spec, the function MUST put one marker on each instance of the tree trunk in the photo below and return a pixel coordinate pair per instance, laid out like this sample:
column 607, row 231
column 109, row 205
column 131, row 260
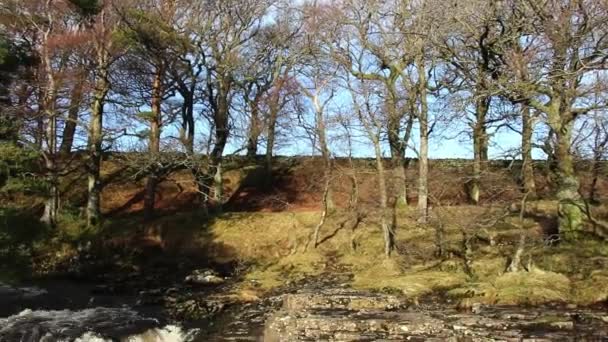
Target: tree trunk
column 270, row 141
column 599, row 147
column 70, row 125
column 39, row 129
column 424, row 146
column 95, row 141
column 397, row 148
column 386, row 217
column 253, row 136
column 527, row 168
column 570, row 207
column 273, row 116
column 187, row 132
column 187, row 129
column 480, row 147
column 596, row 167
column 406, row 162
column 51, row 207
column 474, row 187
column 325, row 153
column 325, row 204
column 154, row 144
column 221, row 117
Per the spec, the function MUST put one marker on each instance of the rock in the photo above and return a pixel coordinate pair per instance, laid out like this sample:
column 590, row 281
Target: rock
column 566, row 325
column 151, row 293
column 476, row 308
column 171, row 291
column 204, row 277
column 346, row 315
column 479, row 321
column 22, row 292
column 150, row 297
column 320, row 325
column 195, row 308
column 341, row 299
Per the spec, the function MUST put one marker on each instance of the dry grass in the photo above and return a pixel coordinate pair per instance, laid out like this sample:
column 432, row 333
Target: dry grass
column 272, row 246
column 593, row 289
column 388, row 276
column 533, row 287
column 272, row 238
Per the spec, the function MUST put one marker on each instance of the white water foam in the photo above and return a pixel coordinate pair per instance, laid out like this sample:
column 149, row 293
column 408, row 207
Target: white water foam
column 170, row 333
column 90, row 337
column 65, row 325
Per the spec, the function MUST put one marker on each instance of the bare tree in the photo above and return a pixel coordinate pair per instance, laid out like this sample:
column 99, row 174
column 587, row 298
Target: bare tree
column 566, row 43
column 367, row 109
column 101, row 24
column 55, row 36
column 225, row 31
column 469, row 44
column 373, row 51
column 151, row 37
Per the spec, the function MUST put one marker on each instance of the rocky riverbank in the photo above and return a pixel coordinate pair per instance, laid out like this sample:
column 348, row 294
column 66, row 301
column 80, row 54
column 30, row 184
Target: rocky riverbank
column 316, row 309
column 346, row 315
column 185, row 302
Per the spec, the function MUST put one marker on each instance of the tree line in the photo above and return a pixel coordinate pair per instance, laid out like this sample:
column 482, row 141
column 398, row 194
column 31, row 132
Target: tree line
column 187, row 79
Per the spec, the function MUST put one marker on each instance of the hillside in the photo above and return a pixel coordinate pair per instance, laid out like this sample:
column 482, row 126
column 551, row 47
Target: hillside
column 297, row 184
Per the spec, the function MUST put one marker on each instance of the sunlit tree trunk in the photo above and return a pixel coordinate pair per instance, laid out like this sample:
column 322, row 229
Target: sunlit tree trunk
column 424, row 145
column 253, row 136
column 325, row 153
column 396, row 144
column 39, row 131
column 95, row 139
column 385, row 217
column 527, row 168
column 570, row 206
column 221, row 117
column 51, row 206
column 480, row 147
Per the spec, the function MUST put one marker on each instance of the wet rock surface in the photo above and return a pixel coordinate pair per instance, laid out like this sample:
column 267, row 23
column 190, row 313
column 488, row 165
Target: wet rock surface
column 341, row 299
column 205, row 277
column 333, row 325
column 331, row 317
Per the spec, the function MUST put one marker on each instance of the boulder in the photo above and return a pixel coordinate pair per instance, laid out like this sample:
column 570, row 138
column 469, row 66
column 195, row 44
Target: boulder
column 320, row 325
column 204, row 277
column 342, row 299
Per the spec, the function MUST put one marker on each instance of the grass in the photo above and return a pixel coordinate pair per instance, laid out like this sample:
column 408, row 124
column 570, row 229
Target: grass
column 273, row 243
column 556, row 275
column 288, row 269
column 517, row 288
column 271, row 248
column 592, row 289
column 412, row 284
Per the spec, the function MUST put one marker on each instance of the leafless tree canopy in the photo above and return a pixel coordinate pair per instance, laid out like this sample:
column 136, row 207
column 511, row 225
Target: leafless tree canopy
column 188, row 83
